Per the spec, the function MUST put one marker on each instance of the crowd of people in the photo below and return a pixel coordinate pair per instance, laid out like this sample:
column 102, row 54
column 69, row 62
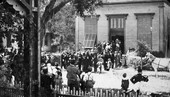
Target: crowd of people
column 109, row 54
column 80, row 65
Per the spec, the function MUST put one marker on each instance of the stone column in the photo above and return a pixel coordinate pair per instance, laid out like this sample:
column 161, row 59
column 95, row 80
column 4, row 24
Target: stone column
column 161, row 27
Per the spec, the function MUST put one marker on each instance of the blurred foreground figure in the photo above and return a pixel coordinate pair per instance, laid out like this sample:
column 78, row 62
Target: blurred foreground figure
column 137, row 81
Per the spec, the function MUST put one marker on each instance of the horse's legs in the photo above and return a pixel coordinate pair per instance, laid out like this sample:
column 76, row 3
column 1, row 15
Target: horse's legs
column 169, row 66
column 155, row 69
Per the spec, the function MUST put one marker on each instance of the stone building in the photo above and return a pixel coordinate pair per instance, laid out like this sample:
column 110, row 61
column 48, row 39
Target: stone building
column 129, row 21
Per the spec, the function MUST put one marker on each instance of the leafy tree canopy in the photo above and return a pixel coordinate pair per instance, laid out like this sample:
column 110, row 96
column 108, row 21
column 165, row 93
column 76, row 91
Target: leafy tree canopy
column 51, row 7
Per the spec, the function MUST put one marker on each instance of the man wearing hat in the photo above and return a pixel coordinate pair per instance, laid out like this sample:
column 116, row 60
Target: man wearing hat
column 73, row 75
column 137, row 79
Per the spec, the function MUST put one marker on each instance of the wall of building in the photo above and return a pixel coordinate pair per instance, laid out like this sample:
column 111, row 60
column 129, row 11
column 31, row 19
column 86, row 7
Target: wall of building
column 131, row 23
column 79, row 32
column 118, row 1
column 166, row 17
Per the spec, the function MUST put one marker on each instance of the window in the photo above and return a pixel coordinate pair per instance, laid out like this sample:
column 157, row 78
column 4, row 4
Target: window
column 144, row 28
column 116, row 22
column 90, row 31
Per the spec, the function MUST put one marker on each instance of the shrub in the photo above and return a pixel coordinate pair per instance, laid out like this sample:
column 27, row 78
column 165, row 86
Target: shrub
column 142, row 48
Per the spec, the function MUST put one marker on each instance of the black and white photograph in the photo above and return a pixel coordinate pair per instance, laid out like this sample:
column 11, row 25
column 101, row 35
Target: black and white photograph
column 84, row 48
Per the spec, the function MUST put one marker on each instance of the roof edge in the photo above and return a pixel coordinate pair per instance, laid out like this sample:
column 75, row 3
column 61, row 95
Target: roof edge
column 133, row 2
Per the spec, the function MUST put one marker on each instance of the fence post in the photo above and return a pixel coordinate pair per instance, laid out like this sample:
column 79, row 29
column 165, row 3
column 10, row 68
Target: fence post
column 106, row 93
column 76, row 92
column 95, row 92
column 112, row 93
column 123, row 94
column 130, row 94
column 109, row 94
column 118, row 93
column 68, row 88
column 98, row 94
column 82, row 93
column 101, row 93
column 91, row 92
column 79, row 91
column 55, row 90
column 115, row 95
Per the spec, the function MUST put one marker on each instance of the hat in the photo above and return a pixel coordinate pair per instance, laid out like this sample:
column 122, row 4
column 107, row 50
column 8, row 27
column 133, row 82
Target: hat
column 89, row 69
column 71, row 60
column 139, row 69
column 124, row 75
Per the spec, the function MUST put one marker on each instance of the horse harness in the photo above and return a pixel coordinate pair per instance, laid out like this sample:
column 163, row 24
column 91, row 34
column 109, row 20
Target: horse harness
column 156, row 63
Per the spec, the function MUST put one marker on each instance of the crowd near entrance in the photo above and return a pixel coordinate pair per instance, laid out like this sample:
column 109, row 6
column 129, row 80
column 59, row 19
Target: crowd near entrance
column 80, row 65
column 121, row 38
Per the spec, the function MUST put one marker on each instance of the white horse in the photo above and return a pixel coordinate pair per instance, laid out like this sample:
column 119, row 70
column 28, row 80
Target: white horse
column 132, row 58
column 158, row 62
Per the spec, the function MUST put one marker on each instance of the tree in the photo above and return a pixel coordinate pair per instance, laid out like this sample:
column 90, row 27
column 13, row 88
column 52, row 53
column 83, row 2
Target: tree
column 11, row 24
column 62, row 25
column 53, row 6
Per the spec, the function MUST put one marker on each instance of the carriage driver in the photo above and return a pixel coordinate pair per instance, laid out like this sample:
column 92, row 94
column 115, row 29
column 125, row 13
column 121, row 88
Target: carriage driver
column 137, row 79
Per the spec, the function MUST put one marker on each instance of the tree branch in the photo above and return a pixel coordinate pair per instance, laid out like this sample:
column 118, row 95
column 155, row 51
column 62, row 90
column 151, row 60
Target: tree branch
column 48, row 8
column 50, row 11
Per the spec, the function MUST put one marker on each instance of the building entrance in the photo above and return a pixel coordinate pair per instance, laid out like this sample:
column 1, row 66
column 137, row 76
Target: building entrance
column 116, row 30
column 121, row 38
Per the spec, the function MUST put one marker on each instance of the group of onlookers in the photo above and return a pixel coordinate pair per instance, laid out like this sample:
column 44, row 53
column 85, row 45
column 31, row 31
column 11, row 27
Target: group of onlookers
column 106, row 55
column 51, row 76
column 79, row 67
column 79, row 79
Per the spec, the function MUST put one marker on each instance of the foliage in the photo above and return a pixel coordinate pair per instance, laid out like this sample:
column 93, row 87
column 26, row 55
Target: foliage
column 59, row 17
column 142, row 48
column 86, row 6
column 63, row 26
column 11, row 23
column 53, row 7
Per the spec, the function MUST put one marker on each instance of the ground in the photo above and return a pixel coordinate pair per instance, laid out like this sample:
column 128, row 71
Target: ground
column 112, row 79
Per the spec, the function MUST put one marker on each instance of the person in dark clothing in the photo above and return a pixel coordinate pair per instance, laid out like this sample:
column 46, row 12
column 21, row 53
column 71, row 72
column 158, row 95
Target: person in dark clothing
column 82, row 82
column 95, row 60
column 87, row 61
column 79, row 61
column 73, row 75
column 125, row 84
column 57, row 78
column 46, row 83
column 137, row 79
column 63, row 61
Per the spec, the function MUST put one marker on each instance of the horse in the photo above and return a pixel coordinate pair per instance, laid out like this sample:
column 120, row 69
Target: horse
column 158, row 63
column 133, row 60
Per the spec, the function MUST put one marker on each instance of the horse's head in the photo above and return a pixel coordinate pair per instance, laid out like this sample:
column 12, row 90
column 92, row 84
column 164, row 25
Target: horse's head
column 145, row 78
column 149, row 56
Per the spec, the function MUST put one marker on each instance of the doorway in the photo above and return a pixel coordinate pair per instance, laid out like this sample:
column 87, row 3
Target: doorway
column 121, row 38
column 116, row 30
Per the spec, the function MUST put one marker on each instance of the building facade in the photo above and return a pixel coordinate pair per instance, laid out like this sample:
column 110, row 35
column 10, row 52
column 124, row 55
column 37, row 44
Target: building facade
column 129, row 21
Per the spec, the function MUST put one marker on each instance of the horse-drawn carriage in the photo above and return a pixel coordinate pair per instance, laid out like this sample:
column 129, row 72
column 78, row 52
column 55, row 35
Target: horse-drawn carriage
column 149, row 62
